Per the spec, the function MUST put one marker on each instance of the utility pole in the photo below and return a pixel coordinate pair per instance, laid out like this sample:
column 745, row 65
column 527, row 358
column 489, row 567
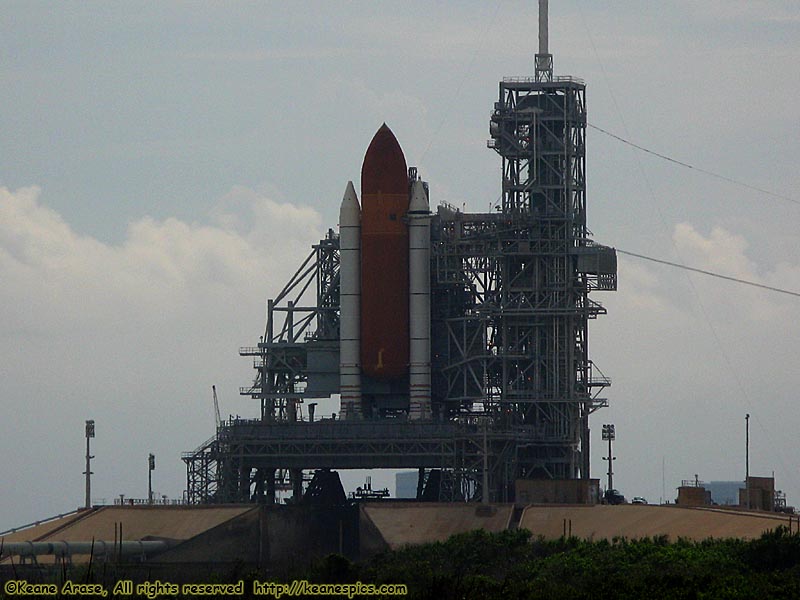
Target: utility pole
column 151, row 464
column 89, row 457
column 747, row 458
column 609, row 435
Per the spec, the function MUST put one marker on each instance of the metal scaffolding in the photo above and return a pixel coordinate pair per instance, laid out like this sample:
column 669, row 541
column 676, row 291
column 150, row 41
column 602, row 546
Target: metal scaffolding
column 512, row 382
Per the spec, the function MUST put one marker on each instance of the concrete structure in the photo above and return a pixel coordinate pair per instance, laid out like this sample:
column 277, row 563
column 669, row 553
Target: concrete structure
column 557, row 491
column 139, row 522
column 190, row 544
column 693, row 495
column 637, row 521
column 402, row 524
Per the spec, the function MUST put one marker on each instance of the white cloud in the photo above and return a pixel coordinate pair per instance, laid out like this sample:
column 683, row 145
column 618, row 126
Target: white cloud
column 132, row 335
column 726, row 253
column 721, row 251
column 169, row 263
column 688, row 361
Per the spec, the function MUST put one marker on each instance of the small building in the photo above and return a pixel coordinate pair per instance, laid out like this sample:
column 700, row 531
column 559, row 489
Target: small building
column 693, row 493
column 761, row 492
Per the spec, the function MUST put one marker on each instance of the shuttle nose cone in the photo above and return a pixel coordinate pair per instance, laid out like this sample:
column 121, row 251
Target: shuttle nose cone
column 384, row 169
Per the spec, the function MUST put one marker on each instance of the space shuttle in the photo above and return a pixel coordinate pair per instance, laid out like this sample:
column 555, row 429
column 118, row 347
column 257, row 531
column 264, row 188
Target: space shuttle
column 385, row 291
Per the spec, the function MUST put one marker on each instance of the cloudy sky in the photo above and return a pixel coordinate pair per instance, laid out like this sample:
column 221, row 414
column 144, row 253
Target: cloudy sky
column 165, row 166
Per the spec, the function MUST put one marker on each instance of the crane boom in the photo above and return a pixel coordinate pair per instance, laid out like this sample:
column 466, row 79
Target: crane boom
column 216, row 405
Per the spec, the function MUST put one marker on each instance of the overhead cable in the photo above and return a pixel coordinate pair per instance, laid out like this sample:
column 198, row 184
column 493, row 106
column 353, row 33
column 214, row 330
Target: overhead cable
column 710, row 273
column 688, row 166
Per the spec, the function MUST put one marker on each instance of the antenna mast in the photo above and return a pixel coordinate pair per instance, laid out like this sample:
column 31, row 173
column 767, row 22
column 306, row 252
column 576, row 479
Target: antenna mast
column 543, row 64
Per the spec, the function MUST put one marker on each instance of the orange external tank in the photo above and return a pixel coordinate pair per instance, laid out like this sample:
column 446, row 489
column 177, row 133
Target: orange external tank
column 384, row 258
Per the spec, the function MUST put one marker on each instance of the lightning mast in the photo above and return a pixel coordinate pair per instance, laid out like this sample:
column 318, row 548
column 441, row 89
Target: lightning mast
column 543, row 63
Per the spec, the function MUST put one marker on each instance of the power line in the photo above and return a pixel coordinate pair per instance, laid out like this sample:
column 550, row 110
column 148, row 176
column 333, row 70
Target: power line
column 688, row 166
column 720, row 347
column 711, row 273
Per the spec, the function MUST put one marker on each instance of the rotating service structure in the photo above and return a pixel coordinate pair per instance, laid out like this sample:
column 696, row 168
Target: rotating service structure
column 458, row 342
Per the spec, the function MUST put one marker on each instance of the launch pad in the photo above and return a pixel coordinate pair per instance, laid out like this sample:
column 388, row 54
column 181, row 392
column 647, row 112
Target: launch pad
column 496, row 384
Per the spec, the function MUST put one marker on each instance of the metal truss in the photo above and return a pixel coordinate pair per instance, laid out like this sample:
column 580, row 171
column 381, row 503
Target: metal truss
column 512, row 382
column 242, row 462
column 519, row 344
column 294, row 320
column 201, row 473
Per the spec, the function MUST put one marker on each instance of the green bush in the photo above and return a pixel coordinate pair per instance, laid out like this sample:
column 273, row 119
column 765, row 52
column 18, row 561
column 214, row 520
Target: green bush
column 511, row 565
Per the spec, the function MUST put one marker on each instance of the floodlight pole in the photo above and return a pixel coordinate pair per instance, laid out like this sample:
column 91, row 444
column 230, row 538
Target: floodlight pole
column 89, row 457
column 609, row 434
column 747, row 458
column 151, row 465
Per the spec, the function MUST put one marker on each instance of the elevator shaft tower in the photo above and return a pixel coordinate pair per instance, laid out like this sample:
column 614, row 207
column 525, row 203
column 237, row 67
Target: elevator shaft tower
column 545, row 271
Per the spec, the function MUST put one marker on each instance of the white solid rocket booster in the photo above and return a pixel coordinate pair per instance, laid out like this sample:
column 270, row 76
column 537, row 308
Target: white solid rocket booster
column 350, row 304
column 419, row 287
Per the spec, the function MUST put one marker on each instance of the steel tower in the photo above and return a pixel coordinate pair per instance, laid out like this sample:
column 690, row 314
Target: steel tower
column 512, row 385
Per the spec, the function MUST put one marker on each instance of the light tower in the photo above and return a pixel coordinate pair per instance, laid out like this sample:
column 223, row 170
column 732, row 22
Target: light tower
column 747, row 457
column 151, row 466
column 89, row 457
column 609, row 435
column 543, row 371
